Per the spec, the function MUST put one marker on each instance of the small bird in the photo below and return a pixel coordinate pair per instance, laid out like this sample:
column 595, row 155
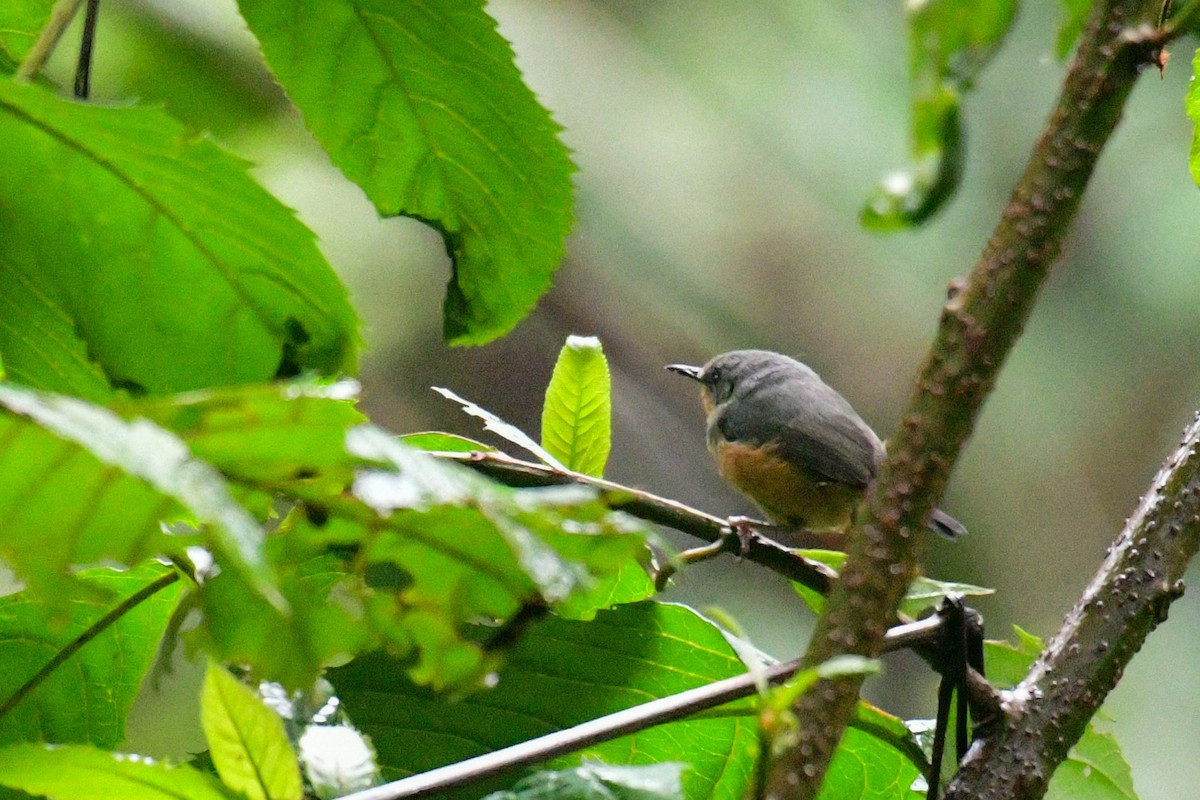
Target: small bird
column 789, row 442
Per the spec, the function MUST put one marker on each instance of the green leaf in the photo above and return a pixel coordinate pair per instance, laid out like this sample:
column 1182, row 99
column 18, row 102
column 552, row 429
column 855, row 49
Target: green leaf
column 782, row 697
column 1193, row 112
column 434, row 124
column 1074, row 13
column 81, row 694
column 86, row 773
column 595, row 781
column 137, row 255
column 384, row 544
column 1095, row 770
column 503, row 429
column 577, row 412
column 79, row 485
column 562, row 673
column 437, row 442
column 20, row 24
column 1095, row 767
column 865, row 768
column 950, row 41
column 926, row 593
column 246, row 740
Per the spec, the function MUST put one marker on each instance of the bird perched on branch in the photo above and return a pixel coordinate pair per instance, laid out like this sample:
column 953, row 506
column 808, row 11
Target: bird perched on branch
column 789, row 442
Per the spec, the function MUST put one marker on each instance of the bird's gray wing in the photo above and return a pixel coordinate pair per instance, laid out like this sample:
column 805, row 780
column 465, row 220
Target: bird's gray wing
column 817, row 429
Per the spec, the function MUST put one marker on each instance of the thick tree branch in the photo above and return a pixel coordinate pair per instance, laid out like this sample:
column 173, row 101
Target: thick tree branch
column 1129, row 596
column 979, row 326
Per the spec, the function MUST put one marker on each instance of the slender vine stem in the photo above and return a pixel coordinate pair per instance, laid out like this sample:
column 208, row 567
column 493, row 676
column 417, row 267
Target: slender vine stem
column 83, row 67
column 60, row 17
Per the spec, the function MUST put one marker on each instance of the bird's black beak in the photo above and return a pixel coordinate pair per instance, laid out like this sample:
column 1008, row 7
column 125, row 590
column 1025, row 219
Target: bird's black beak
column 683, row 369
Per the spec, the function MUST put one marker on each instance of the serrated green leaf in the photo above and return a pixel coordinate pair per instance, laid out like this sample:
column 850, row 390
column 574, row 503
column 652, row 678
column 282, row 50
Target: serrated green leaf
column 577, row 412
column 437, row 442
column 20, row 23
column 86, row 773
column 85, row 697
column 246, row 740
column 595, row 781
column 950, row 41
column 435, row 124
column 137, row 255
column 79, row 485
column 384, row 544
column 562, row 673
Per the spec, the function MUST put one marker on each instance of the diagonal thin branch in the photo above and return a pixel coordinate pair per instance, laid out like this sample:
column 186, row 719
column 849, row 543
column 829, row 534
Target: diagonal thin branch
column 652, row 508
column 621, row 723
column 979, row 326
column 39, row 54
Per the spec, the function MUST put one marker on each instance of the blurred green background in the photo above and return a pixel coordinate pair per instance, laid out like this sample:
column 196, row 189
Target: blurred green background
column 725, row 149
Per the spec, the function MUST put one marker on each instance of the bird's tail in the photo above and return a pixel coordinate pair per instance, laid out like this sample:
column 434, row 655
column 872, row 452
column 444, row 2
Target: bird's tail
column 942, row 523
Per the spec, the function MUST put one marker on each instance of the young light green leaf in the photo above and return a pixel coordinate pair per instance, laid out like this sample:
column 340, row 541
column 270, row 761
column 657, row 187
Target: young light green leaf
column 246, row 740
column 437, row 125
column 52, row 688
column 207, row 279
column 577, row 412
column 595, row 781
column 86, row 773
column 950, row 41
column 501, row 428
column 782, row 697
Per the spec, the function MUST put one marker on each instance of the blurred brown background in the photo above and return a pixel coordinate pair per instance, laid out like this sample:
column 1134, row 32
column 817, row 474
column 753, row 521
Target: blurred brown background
column 724, row 150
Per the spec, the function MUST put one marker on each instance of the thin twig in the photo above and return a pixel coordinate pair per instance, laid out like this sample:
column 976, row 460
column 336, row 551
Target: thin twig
column 39, row 54
column 652, row 508
column 86, row 635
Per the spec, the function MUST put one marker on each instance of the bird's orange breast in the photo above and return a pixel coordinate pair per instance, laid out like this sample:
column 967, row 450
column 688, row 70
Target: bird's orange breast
column 788, row 494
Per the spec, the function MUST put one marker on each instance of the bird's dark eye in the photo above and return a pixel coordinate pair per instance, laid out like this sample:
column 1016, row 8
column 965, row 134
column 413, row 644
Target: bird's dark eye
column 713, row 376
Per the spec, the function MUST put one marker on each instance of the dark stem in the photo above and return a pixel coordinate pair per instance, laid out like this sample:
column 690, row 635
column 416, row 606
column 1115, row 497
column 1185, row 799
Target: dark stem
column 83, row 68
column 979, row 326
column 85, row 636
